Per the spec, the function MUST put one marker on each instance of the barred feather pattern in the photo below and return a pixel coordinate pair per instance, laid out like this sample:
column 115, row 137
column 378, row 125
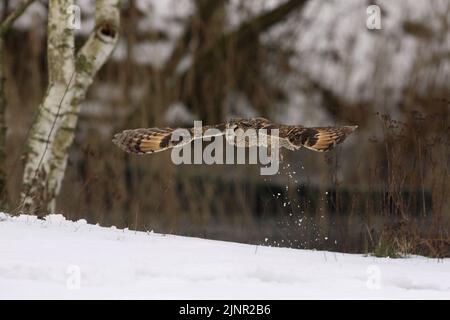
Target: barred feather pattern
column 151, row 140
column 318, row 139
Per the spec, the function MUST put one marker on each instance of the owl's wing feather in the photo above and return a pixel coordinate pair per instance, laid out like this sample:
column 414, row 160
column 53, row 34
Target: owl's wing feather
column 316, row 138
column 143, row 140
column 151, row 140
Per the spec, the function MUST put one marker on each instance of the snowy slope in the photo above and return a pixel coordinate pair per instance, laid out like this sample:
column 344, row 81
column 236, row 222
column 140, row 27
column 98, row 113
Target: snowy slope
column 60, row 259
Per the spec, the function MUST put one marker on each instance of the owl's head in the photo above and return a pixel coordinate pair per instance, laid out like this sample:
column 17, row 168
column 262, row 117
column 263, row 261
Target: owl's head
column 244, row 124
column 233, row 124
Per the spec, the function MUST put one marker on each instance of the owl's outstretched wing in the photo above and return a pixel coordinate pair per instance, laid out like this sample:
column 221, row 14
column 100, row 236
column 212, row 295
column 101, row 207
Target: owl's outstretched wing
column 314, row 138
column 151, row 140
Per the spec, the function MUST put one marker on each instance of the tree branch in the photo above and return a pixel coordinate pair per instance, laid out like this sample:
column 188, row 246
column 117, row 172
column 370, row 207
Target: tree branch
column 245, row 34
column 205, row 9
column 248, row 31
column 17, row 12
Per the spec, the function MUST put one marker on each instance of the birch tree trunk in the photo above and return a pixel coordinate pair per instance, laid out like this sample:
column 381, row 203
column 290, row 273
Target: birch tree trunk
column 90, row 59
column 56, row 102
column 54, row 129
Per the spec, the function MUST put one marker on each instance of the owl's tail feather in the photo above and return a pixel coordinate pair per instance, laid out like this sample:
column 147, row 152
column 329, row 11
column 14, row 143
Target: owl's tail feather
column 325, row 139
column 144, row 141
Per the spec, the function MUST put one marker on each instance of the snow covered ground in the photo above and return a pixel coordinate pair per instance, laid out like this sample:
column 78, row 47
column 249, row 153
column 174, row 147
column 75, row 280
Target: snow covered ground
column 61, row 259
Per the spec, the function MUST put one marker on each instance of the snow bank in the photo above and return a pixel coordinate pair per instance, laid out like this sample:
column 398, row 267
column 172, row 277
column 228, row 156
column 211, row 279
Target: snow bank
column 56, row 258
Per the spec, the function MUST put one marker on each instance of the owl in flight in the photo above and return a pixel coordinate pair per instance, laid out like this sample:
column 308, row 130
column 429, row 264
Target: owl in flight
column 292, row 137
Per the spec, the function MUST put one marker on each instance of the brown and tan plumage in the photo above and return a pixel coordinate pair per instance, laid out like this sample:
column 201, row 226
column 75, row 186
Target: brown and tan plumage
column 292, row 137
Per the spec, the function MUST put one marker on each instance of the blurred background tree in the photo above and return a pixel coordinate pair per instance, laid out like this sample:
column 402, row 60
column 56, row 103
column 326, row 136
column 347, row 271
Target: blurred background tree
column 7, row 21
column 386, row 190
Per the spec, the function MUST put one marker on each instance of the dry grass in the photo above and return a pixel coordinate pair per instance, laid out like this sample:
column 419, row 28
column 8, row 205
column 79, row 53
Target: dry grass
column 387, row 192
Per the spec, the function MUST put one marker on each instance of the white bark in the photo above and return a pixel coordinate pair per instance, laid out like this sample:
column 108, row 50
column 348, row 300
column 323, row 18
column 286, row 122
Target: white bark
column 61, row 68
column 47, row 159
column 89, row 60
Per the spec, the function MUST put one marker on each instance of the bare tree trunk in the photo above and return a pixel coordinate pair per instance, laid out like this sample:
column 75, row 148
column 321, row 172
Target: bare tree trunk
column 4, row 28
column 206, row 61
column 90, row 59
column 69, row 79
column 56, row 102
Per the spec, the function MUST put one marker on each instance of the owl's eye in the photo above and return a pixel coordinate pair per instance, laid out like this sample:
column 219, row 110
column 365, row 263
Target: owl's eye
column 232, row 126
